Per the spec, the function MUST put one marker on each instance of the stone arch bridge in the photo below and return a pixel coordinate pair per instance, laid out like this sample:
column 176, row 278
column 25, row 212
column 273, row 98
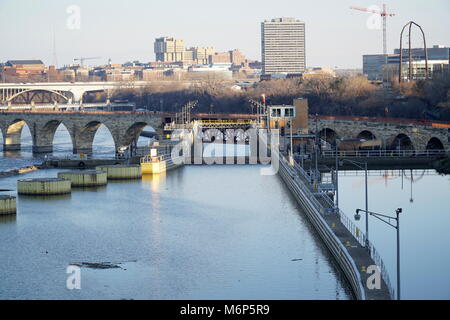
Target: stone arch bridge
column 394, row 134
column 125, row 128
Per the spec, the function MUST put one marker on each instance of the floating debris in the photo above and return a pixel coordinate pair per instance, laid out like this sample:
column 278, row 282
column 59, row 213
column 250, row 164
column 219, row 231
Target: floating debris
column 101, row 265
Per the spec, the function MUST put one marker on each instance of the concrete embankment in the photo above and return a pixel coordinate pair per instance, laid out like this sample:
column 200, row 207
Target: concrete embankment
column 85, row 178
column 81, row 164
column 121, row 172
column 172, row 165
column 352, row 258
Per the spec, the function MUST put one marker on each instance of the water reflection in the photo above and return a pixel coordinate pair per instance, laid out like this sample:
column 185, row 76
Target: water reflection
column 39, row 198
column 154, row 181
column 7, row 218
column 425, row 225
column 89, row 189
column 200, row 232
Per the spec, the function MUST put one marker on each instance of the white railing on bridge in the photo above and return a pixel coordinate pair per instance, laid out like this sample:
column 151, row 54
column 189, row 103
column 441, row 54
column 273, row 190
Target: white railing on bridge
column 66, row 107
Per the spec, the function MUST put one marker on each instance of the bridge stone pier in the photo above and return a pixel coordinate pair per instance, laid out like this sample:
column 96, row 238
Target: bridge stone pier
column 393, row 135
column 125, row 128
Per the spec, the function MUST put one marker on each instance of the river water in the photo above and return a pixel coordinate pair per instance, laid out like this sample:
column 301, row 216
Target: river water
column 199, row 232
column 424, row 197
column 213, row 232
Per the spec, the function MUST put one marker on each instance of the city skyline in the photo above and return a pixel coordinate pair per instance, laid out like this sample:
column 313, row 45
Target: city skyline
column 336, row 35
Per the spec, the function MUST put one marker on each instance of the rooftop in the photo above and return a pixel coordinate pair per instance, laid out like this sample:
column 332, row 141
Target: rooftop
column 280, row 20
column 19, row 62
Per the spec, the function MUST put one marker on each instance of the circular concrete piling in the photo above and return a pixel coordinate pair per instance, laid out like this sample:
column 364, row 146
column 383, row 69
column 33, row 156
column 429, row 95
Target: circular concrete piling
column 44, row 187
column 121, row 172
column 7, row 205
column 91, row 178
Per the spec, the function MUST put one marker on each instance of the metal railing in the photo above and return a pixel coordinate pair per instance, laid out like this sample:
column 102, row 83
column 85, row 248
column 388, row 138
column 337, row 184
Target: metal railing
column 362, row 240
column 325, row 206
column 348, row 264
column 391, row 173
column 385, row 153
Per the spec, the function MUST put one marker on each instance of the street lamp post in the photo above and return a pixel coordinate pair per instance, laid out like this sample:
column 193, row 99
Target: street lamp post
column 292, row 140
column 337, row 178
column 362, row 166
column 387, row 219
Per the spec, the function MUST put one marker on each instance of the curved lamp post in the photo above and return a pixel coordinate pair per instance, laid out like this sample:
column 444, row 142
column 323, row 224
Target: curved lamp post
column 387, row 219
column 362, row 166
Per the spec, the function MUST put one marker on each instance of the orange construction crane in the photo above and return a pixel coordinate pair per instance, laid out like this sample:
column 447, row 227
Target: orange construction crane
column 384, row 14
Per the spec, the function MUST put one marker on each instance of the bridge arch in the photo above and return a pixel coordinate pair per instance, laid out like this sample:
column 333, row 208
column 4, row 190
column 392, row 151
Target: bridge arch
column 12, row 138
column 329, row 135
column 402, row 142
column 46, row 135
column 435, row 144
column 366, row 135
column 133, row 133
column 28, row 96
column 84, row 139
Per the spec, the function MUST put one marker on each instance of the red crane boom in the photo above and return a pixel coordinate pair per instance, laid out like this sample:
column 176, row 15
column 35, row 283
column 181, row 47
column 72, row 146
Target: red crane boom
column 384, row 14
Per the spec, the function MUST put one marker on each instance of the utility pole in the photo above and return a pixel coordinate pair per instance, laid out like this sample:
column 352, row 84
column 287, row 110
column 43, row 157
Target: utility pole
column 261, row 109
column 316, row 154
column 336, row 182
column 186, row 112
column 292, row 141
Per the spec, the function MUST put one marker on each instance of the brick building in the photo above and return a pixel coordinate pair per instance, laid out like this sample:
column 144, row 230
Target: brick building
column 23, row 68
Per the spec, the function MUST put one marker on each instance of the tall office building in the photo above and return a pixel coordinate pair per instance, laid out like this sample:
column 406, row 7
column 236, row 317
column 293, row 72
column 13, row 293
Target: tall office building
column 283, row 46
column 169, row 50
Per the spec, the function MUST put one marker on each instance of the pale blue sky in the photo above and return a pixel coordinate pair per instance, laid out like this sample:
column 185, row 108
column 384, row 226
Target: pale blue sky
column 125, row 30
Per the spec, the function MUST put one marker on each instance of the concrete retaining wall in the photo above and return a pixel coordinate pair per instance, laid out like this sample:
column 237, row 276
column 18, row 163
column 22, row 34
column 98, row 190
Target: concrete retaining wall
column 338, row 250
column 85, row 178
column 120, row 172
column 44, row 187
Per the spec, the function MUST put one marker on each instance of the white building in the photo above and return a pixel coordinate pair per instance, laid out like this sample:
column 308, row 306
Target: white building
column 283, row 46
